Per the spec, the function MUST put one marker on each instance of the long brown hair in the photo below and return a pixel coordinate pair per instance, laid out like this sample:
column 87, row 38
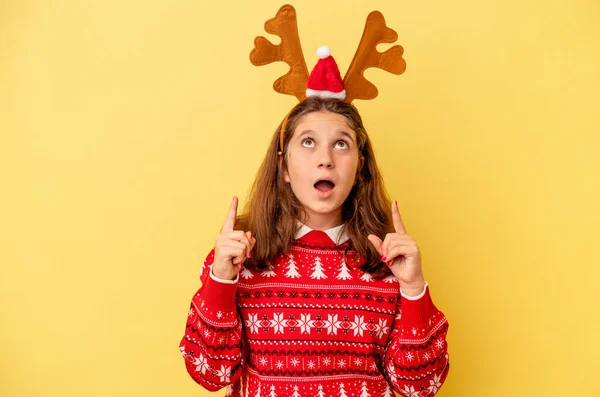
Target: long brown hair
column 272, row 211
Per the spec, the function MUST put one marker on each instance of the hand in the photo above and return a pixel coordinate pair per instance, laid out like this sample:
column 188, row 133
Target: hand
column 232, row 247
column 401, row 254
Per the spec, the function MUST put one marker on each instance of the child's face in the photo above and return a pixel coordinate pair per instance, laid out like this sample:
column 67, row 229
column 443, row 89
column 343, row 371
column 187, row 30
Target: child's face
column 323, row 148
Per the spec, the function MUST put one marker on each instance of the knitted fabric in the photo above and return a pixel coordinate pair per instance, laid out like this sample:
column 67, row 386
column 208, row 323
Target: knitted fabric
column 314, row 325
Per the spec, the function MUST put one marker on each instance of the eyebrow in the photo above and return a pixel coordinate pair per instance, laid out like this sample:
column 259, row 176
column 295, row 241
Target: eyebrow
column 342, row 132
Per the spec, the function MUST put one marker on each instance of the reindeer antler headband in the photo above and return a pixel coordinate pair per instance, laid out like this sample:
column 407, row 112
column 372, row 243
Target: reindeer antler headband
column 325, row 79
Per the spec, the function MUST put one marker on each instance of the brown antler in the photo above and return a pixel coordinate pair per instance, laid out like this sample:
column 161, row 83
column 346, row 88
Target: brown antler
column 289, row 51
column 366, row 56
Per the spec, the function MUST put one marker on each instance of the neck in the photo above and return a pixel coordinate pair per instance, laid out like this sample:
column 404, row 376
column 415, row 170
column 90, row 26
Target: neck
column 323, row 221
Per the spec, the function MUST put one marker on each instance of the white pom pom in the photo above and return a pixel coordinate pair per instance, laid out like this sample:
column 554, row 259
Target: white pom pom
column 323, row 52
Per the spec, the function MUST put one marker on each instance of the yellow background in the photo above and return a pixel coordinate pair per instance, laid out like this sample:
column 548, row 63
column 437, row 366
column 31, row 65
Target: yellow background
column 127, row 126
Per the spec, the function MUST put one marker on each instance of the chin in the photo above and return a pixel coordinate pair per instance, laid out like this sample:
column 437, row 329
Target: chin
column 316, row 206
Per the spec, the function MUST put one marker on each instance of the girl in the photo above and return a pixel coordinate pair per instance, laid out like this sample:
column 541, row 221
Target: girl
column 316, row 290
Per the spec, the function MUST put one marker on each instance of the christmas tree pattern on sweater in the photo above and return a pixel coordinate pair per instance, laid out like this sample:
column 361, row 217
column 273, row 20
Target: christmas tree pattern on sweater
column 314, row 325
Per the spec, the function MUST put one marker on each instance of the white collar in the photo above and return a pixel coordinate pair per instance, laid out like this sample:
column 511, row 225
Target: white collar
column 333, row 233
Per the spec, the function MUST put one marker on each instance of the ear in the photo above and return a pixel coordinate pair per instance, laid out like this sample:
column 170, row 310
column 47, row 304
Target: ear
column 284, row 173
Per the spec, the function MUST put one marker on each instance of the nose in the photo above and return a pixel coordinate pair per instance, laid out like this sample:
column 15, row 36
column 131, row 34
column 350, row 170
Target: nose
column 325, row 158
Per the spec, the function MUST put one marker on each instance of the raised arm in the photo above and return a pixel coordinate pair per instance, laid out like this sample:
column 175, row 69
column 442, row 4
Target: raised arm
column 415, row 360
column 212, row 344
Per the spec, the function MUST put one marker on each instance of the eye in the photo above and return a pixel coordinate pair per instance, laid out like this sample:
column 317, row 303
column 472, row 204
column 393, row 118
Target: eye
column 308, row 142
column 342, row 145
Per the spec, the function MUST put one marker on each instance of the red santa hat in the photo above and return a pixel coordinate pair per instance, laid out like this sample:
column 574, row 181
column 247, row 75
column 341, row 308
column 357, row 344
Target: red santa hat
column 325, row 80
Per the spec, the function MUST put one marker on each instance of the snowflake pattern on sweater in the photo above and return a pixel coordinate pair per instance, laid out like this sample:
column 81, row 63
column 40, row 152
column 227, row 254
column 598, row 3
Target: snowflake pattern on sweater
column 313, row 325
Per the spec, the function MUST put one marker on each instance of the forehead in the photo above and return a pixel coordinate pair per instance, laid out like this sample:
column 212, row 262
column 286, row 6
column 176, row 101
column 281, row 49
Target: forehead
column 323, row 121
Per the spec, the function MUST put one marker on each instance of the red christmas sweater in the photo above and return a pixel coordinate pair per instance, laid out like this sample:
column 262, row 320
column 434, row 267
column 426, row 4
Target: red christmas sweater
column 314, row 325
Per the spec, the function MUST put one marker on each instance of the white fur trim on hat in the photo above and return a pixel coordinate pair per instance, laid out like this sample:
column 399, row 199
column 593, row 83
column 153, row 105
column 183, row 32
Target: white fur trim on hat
column 323, row 52
column 326, row 94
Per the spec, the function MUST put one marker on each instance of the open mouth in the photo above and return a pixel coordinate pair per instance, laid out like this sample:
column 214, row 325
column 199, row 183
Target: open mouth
column 324, row 185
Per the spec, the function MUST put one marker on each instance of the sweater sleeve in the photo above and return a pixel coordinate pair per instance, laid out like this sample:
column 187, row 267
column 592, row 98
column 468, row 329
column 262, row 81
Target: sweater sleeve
column 416, row 360
column 212, row 344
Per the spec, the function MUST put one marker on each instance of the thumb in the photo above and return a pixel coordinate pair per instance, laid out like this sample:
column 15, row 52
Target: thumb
column 377, row 243
column 252, row 242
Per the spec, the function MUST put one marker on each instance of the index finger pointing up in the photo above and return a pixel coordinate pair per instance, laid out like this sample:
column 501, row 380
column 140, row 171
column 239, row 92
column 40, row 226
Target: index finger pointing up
column 231, row 216
column 398, row 224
